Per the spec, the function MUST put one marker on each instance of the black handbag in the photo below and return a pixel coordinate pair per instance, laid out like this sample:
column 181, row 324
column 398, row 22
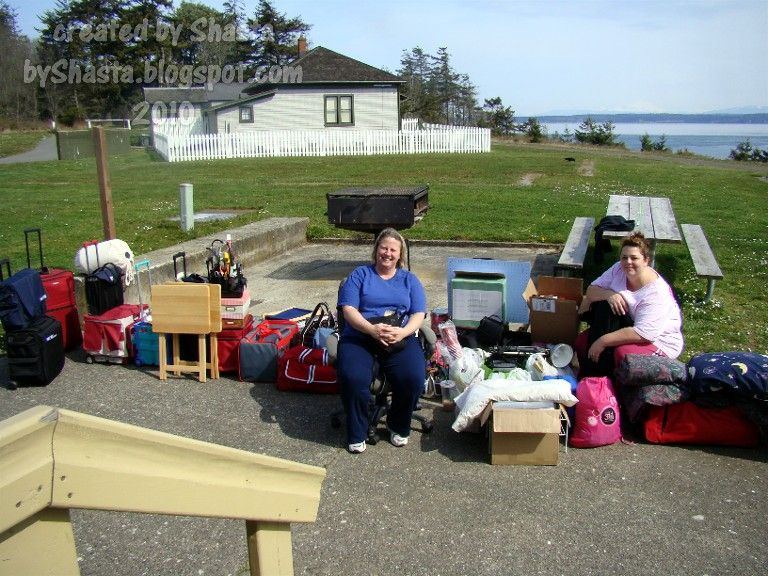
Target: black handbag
column 490, row 331
column 391, row 320
column 321, row 317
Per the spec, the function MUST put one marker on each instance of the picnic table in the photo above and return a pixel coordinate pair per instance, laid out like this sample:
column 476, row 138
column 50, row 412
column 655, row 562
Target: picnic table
column 653, row 217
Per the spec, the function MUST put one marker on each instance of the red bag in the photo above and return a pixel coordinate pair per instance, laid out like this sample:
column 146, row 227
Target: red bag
column 229, row 345
column 306, row 370
column 596, row 421
column 687, row 423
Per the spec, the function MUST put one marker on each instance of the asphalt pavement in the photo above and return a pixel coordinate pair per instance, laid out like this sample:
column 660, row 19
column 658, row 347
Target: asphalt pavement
column 43, row 152
column 435, row 507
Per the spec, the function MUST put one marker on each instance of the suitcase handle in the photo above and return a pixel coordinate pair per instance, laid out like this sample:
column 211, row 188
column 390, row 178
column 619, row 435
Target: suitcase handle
column 7, row 264
column 138, row 266
column 87, row 259
column 27, row 232
column 183, row 256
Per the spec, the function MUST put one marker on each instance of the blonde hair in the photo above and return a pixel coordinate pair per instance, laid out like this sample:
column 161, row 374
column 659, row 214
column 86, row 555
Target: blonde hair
column 391, row 233
column 637, row 240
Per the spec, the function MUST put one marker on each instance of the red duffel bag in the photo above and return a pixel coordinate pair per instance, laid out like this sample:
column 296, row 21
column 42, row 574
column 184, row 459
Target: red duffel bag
column 687, row 423
column 306, row 370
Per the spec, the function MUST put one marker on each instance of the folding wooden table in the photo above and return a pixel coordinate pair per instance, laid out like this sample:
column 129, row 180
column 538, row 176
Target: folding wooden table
column 187, row 308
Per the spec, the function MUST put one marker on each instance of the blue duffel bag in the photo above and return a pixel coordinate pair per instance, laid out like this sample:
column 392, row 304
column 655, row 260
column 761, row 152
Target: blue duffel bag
column 22, row 299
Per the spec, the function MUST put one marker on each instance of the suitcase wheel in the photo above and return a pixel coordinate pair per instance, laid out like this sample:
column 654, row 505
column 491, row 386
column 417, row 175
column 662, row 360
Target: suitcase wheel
column 12, row 385
column 89, row 359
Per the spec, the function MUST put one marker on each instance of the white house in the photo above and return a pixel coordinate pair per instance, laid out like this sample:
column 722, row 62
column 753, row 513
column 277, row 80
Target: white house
column 321, row 89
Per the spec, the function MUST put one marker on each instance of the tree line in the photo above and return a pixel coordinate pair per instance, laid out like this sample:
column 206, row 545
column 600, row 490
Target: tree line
column 93, row 57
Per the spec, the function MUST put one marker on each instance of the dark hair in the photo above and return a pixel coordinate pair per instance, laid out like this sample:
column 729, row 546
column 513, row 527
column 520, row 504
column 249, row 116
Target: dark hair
column 637, row 240
column 392, row 233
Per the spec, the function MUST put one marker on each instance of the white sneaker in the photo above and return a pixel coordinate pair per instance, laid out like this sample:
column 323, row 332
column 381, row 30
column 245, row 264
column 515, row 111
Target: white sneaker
column 397, row 440
column 357, row 448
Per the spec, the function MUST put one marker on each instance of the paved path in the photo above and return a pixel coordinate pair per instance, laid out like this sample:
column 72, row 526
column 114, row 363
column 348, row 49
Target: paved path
column 43, row 152
column 435, row 507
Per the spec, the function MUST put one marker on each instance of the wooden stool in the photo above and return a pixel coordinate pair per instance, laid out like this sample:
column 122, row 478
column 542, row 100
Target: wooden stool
column 187, row 308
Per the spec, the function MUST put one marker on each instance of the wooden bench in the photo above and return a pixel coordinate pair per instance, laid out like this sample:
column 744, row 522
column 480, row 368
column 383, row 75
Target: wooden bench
column 575, row 249
column 702, row 256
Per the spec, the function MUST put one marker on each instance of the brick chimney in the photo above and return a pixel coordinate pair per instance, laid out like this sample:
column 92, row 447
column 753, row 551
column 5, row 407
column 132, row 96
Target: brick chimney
column 302, row 45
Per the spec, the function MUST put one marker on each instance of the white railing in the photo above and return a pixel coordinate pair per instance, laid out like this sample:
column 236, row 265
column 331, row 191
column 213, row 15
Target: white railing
column 257, row 144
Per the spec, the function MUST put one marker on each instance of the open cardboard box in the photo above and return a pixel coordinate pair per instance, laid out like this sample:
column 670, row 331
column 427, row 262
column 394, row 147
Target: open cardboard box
column 554, row 309
column 522, row 435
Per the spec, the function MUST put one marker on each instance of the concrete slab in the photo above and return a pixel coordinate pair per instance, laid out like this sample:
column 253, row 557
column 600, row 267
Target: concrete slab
column 307, row 274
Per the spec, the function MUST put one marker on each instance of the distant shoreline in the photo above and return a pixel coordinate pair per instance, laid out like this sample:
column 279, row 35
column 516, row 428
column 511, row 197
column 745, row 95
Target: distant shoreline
column 759, row 118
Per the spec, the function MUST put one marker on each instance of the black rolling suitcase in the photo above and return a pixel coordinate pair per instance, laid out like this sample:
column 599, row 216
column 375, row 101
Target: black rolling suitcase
column 35, row 353
column 103, row 286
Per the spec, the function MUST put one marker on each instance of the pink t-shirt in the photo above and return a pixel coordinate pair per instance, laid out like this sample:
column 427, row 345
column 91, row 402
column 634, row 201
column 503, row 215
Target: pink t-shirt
column 653, row 309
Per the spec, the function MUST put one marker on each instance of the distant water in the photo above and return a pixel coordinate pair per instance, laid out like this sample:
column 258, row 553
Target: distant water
column 714, row 140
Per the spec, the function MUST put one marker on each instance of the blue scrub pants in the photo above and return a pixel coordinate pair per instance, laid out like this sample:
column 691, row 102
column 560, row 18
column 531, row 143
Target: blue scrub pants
column 404, row 370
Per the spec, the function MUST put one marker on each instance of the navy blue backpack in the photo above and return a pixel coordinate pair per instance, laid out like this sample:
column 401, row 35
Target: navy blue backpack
column 22, row 299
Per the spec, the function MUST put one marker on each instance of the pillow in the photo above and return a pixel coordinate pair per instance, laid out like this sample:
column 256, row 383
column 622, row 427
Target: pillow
column 474, row 399
column 645, row 369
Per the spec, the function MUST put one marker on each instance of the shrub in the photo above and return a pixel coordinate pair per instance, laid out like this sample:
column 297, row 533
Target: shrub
column 533, row 130
column 591, row 132
column 648, row 145
column 745, row 152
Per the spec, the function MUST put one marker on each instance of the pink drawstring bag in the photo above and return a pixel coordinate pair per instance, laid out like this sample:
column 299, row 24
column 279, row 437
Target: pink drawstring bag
column 596, row 421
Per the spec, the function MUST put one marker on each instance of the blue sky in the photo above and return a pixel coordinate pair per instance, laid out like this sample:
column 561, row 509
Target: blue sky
column 553, row 56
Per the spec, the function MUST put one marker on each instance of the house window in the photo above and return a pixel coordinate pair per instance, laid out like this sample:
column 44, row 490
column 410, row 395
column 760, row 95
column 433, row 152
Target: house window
column 339, row 111
column 246, row 114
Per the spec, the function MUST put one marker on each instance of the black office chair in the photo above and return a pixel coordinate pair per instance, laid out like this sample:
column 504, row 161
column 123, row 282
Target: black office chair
column 381, row 389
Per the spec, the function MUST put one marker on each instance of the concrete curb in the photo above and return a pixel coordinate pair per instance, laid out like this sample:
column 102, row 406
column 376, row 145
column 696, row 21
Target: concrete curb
column 253, row 242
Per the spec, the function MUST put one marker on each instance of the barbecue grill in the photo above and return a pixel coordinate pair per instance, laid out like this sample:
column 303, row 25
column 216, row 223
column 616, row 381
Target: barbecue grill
column 371, row 209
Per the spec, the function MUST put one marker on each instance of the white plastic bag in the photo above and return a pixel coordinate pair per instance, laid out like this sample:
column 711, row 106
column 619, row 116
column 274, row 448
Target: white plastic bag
column 467, row 369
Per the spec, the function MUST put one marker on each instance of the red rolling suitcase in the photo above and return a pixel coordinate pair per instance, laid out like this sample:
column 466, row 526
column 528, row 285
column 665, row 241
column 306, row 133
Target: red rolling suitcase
column 229, row 345
column 59, row 286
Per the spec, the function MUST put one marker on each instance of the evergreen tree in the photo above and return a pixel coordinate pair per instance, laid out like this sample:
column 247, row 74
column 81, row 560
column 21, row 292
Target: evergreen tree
column 275, row 37
column 434, row 91
column 499, row 118
column 417, row 101
column 591, row 132
column 206, row 36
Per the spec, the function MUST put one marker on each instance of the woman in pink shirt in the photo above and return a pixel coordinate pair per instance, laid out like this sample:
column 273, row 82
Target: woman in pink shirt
column 636, row 293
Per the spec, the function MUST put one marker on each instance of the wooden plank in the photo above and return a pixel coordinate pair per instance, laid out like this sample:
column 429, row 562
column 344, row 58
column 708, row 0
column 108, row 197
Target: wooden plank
column 102, row 464
column 701, row 253
column 618, row 206
column 640, row 212
column 575, row 249
column 664, row 223
column 42, row 544
column 269, row 548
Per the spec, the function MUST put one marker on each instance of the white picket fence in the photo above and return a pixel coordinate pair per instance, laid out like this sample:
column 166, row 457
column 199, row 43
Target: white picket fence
column 256, row 144
column 408, row 124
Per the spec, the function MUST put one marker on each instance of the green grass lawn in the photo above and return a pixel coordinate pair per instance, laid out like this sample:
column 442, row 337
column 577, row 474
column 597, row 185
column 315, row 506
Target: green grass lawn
column 16, row 142
column 515, row 193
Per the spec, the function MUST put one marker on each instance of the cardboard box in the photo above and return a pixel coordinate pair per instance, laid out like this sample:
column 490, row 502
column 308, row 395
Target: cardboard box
column 475, row 296
column 523, row 436
column 554, row 309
